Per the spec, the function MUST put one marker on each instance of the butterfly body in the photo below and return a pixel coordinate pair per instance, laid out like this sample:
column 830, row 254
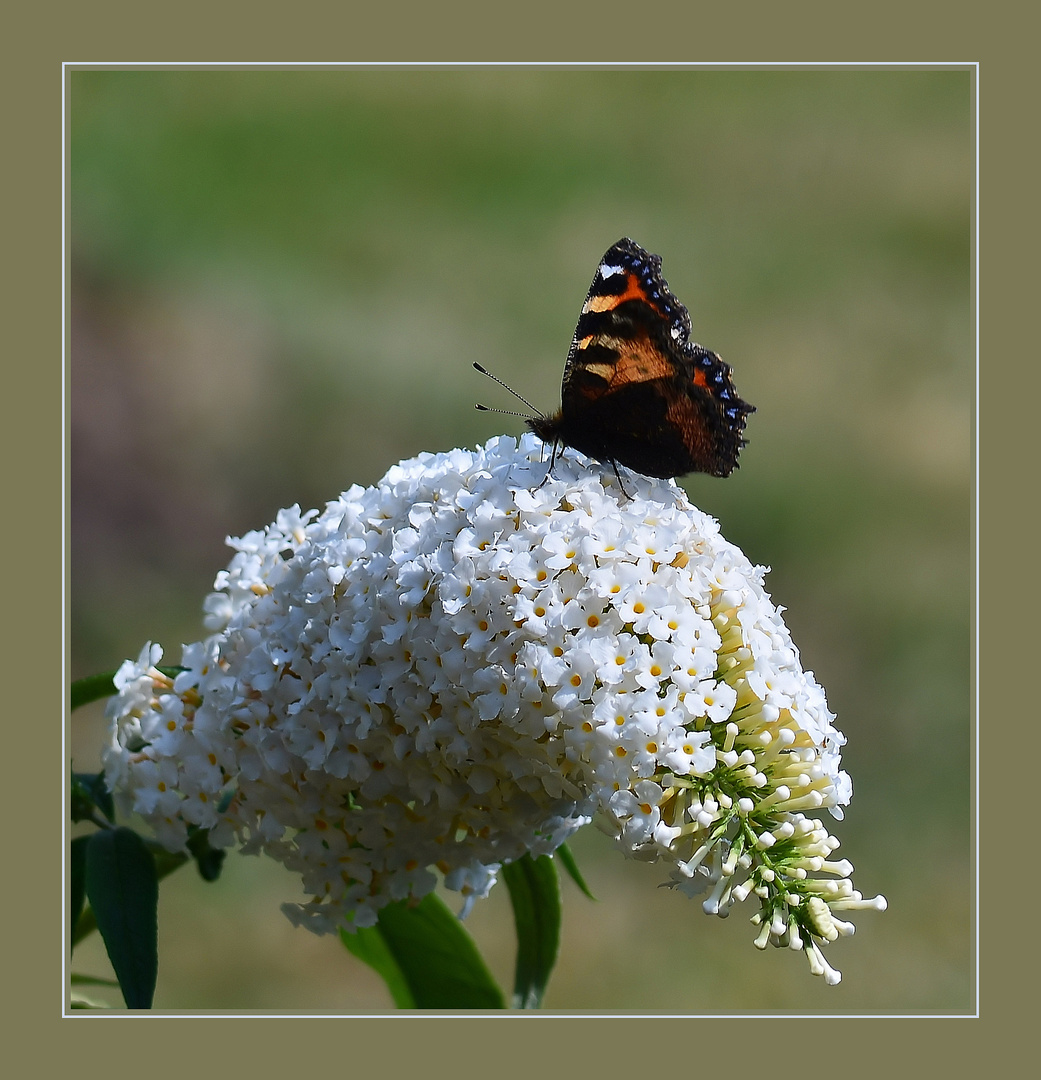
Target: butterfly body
column 636, row 390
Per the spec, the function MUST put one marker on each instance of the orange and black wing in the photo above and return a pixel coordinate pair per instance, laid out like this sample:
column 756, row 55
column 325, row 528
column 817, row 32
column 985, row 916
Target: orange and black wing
column 636, row 390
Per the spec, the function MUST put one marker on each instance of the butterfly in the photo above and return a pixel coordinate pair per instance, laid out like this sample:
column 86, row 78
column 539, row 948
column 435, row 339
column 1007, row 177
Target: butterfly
column 636, row 390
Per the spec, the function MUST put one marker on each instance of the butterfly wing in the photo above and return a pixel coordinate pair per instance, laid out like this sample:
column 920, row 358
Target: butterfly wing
column 636, row 390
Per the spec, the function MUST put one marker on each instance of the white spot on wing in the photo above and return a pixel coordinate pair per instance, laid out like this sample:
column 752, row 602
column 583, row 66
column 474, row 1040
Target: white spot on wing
column 607, row 271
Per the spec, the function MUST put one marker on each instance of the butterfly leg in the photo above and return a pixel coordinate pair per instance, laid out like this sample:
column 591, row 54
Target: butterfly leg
column 618, row 475
column 552, row 462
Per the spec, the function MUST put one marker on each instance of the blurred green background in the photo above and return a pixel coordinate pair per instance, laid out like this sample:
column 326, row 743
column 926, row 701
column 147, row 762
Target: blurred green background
column 279, row 280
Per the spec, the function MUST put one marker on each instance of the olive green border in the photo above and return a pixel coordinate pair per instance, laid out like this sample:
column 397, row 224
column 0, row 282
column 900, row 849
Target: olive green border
column 39, row 41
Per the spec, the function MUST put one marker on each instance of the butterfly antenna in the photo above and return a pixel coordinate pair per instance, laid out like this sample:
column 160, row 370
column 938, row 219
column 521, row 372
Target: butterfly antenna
column 502, row 412
column 484, row 408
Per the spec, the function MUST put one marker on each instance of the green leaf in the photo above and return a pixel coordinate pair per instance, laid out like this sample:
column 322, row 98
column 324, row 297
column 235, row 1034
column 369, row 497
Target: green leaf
column 89, row 791
column 208, row 859
column 81, row 1001
column 124, row 896
column 77, row 882
column 92, row 688
column 535, row 895
column 426, row 958
column 85, row 926
column 568, row 859
column 166, row 862
column 369, row 945
column 91, row 980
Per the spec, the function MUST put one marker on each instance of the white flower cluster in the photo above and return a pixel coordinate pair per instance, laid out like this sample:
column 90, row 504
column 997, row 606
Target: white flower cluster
column 470, row 660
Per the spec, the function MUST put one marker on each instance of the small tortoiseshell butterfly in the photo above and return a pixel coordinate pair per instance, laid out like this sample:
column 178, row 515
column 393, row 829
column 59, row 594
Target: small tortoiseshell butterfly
column 636, row 389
